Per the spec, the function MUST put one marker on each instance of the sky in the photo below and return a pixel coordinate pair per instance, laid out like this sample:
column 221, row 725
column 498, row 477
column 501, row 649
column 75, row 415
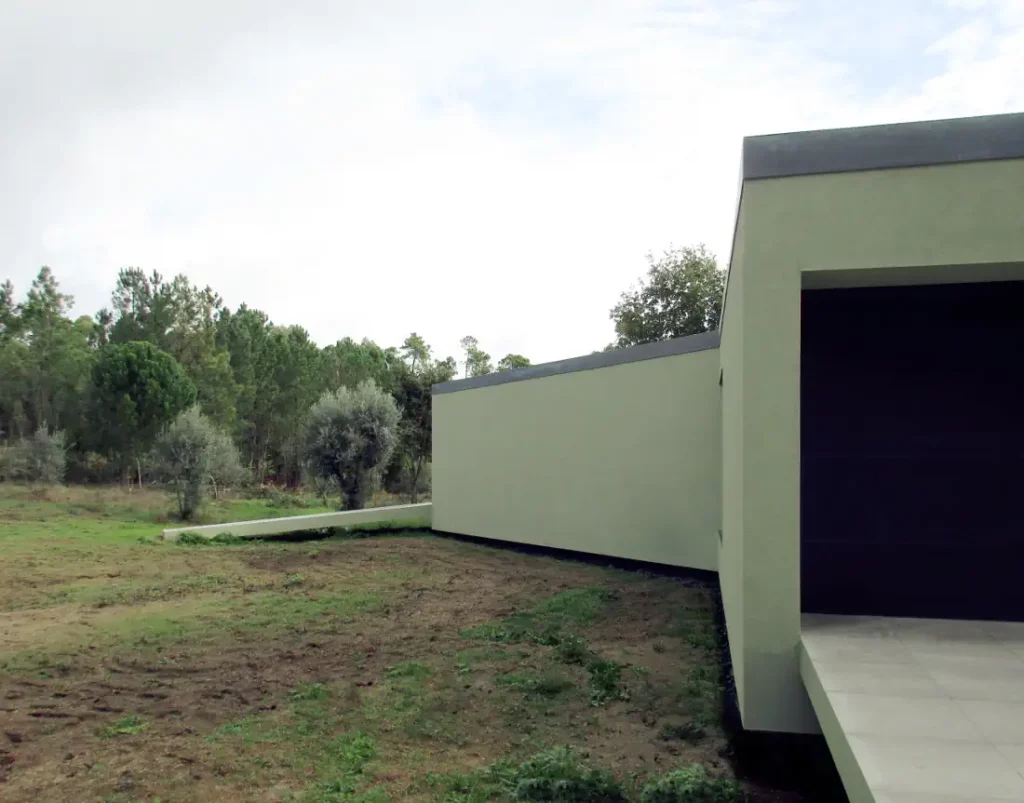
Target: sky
column 374, row 168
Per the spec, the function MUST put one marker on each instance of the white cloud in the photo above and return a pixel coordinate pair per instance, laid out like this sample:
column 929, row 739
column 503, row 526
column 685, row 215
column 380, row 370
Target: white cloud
column 372, row 169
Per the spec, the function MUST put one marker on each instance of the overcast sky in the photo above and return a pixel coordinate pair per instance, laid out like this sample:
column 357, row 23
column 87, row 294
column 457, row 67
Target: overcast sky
column 451, row 167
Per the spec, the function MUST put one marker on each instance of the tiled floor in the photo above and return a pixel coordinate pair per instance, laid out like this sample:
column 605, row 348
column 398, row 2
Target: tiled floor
column 932, row 710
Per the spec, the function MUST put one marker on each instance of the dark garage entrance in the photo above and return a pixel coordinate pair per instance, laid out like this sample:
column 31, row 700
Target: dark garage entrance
column 912, row 451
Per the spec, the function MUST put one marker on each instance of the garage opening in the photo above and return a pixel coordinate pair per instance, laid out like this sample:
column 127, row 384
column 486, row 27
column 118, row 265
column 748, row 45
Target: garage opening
column 912, row 451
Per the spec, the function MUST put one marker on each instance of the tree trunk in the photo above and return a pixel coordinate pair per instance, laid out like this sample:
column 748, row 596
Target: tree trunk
column 138, row 466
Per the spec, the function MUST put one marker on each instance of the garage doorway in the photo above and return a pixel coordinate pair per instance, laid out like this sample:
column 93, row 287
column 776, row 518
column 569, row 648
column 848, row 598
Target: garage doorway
column 912, row 451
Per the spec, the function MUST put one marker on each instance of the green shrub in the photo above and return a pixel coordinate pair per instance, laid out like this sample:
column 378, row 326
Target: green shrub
column 192, row 455
column 40, row 458
column 10, row 463
column 562, row 775
column 574, row 650
column 605, row 682
column 691, row 785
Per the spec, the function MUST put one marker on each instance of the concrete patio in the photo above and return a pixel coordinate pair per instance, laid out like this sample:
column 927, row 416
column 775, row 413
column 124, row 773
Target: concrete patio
column 919, row 710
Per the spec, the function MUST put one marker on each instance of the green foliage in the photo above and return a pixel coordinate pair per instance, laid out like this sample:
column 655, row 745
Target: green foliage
column 415, row 351
column 478, row 361
column 605, row 682
column 10, row 463
column 309, row 691
column 40, row 458
column 691, row 785
column 349, row 434
column 559, row 775
column 545, row 684
column 111, row 382
column 415, row 399
column 45, row 359
column 125, row 726
column 681, row 295
column 512, row 361
column 180, row 319
column 574, row 650
column 190, row 455
column 221, row 539
column 562, row 775
column 138, row 390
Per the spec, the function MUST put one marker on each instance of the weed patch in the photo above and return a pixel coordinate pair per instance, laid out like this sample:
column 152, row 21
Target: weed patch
column 545, row 684
column 605, row 682
column 559, row 774
column 691, row 785
column 125, row 726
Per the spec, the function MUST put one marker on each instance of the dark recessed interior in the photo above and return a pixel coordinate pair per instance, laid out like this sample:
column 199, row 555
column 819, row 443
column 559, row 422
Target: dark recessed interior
column 912, row 451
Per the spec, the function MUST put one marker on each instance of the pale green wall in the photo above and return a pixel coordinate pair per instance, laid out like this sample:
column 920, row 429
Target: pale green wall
column 730, row 560
column 623, row 460
column 954, row 221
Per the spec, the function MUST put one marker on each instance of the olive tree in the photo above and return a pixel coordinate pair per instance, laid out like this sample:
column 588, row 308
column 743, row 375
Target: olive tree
column 350, row 433
column 191, row 455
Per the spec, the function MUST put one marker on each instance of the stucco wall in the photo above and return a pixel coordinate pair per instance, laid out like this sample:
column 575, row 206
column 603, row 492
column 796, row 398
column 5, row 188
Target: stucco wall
column 956, row 222
column 622, row 460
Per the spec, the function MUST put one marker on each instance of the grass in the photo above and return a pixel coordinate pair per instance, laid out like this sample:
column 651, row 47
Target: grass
column 361, row 667
column 125, row 726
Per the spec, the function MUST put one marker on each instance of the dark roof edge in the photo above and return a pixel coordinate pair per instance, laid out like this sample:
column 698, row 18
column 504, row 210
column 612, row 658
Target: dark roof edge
column 879, row 147
column 602, row 359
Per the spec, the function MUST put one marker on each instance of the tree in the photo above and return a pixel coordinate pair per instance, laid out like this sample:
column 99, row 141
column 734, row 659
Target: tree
column 415, row 400
column 512, row 361
column 416, row 351
column 180, row 318
column 347, row 364
column 191, row 455
column 57, row 359
column 350, row 433
column 138, row 389
column 681, row 295
column 478, row 361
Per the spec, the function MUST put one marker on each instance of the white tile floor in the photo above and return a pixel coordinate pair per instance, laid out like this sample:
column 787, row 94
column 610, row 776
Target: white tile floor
column 933, row 710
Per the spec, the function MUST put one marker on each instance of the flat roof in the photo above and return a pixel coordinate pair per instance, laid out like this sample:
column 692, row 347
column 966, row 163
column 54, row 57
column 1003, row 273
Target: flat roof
column 600, row 359
column 877, row 147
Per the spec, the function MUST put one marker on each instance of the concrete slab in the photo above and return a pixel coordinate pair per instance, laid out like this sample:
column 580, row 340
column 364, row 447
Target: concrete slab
column 420, row 513
column 919, row 709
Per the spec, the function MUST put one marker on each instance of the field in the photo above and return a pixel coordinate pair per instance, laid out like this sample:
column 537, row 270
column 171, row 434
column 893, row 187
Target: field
column 371, row 667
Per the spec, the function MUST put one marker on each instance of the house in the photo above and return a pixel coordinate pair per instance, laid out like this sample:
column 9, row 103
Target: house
column 847, row 452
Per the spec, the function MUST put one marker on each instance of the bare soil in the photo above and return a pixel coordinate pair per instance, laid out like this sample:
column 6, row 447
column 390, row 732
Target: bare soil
column 131, row 672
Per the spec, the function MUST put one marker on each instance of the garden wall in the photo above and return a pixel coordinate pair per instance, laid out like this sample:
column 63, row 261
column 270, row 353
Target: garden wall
column 616, row 453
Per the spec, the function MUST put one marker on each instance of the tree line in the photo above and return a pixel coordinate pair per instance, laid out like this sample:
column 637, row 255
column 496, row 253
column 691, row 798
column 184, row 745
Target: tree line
column 109, row 383
column 89, row 397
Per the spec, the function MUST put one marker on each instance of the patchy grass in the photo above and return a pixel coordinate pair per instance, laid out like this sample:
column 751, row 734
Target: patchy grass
column 367, row 668
column 125, row 726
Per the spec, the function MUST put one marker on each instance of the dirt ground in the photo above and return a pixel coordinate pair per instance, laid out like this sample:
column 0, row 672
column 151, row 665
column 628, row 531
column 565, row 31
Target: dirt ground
column 144, row 671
